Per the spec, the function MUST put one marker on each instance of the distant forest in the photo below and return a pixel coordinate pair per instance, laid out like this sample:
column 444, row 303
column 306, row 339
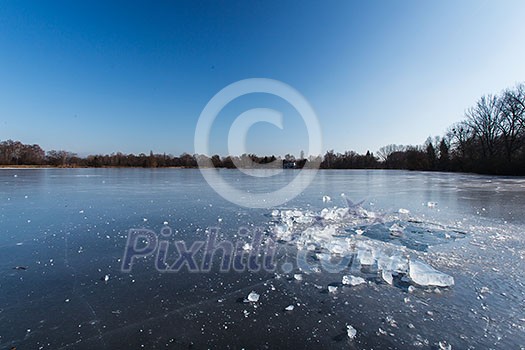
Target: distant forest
column 490, row 140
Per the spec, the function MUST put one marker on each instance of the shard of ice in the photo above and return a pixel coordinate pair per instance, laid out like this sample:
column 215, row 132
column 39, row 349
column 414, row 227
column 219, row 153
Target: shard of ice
column 426, row 275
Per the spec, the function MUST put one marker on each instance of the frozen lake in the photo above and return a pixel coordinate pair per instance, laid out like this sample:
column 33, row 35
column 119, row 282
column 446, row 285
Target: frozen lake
column 64, row 233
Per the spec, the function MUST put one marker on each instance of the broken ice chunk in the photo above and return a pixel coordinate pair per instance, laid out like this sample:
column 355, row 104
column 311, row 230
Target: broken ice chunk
column 332, row 289
column 390, row 320
column 387, row 276
column 443, row 345
column 396, row 230
column 403, row 211
column 289, row 308
column 353, row 280
column 365, row 257
column 431, row 204
column 253, row 297
column 426, row 275
column 351, row 332
column 298, row 277
column 326, row 199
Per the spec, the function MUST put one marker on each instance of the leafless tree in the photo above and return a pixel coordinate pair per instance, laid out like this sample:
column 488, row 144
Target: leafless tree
column 511, row 123
column 385, row 151
column 460, row 135
column 483, row 119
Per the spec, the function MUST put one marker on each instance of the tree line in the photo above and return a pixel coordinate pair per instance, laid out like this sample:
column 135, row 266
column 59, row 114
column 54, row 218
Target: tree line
column 490, row 140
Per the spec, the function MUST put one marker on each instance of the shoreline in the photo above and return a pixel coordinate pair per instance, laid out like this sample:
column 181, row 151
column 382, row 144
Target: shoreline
column 23, row 167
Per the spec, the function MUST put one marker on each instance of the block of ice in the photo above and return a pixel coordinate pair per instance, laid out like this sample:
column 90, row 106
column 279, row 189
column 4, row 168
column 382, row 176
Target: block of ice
column 387, row 276
column 335, row 248
column 396, row 230
column 332, row 289
column 365, row 257
column 443, row 345
column 426, row 275
column 353, row 280
column 253, row 297
column 289, row 308
column 326, row 199
column 351, row 332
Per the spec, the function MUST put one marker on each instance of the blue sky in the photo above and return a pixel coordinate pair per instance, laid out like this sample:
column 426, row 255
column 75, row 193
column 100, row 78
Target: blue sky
column 129, row 76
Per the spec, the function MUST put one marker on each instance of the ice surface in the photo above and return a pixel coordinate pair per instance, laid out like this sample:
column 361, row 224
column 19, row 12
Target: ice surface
column 206, row 302
column 426, row 275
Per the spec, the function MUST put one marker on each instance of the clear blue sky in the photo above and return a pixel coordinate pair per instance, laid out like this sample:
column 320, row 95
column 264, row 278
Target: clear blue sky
column 134, row 76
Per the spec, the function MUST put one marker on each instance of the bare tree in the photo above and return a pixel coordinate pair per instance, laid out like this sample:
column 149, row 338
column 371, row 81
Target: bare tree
column 460, row 135
column 483, row 119
column 387, row 150
column 511, row 123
